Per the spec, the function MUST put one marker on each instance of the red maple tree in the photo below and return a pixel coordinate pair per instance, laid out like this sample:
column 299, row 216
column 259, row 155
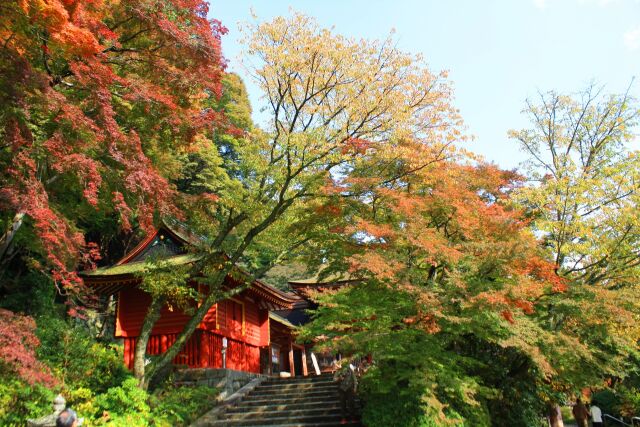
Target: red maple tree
column 18, row 344
column 96, row 93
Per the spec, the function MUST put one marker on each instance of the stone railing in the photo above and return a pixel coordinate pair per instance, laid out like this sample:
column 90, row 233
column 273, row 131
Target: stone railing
column 227, row 381
column 213, row 415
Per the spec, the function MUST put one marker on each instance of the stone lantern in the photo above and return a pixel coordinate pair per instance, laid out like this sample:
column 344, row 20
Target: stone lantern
column 59, row 404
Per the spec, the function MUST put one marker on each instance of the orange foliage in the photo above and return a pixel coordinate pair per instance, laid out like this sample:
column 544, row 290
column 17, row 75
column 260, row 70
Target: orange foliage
column 508, row 316
column 447, row 221
column 546, row 271
column 80, row 78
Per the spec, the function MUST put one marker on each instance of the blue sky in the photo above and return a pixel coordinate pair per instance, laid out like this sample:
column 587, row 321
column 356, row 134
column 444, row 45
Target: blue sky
column 498, row 52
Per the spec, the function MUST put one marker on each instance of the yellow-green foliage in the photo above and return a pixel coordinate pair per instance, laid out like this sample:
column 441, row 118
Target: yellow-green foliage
column 165, row 278
column 127, row 405
column 585, row 199
column 19, row 400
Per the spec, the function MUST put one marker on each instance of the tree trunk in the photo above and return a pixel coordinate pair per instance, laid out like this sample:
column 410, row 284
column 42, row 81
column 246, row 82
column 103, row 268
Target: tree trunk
column 215, row 285
column 189, row 328
column 555, row 416
column 7, row 237
column 152, row 316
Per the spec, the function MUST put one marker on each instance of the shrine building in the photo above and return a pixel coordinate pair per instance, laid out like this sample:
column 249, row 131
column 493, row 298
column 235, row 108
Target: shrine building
column 244, row 333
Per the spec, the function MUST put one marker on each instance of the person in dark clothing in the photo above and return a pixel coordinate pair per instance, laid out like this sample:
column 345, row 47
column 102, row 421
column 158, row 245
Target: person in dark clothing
column 581, row 413
column 347, row 389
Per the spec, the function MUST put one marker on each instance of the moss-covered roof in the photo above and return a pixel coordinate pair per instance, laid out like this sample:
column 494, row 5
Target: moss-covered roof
column 138, row 266
column 275, row 317
column 328, row 279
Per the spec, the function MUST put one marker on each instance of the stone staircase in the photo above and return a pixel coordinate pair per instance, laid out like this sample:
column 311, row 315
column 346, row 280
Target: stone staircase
column 288, row 402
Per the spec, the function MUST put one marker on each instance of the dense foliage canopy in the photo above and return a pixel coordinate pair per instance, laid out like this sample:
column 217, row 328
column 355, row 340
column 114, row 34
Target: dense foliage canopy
column 484, row 296
column 97, row 101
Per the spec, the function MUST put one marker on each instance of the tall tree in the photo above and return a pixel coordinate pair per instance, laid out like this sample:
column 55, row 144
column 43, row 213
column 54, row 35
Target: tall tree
column 450, row 277
column 584, row 201
column 459, row 303
column 329, row 98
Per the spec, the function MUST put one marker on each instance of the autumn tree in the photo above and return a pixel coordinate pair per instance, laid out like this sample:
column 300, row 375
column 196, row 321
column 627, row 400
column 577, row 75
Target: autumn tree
column 97, row 99
column 449, row 282
column 328, row 97
column 585, row 198
column 583, row 203
column 462, row 306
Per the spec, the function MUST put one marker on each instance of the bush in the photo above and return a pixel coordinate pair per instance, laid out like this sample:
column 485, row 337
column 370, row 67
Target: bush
column 180, row 406
column 95, row 382
column 128, row 405
column 607, row 401
column 125, row 404
column 19, row 400
column 628, row 401
column 516, row 404
column 32, row 293
column 78, row 359
column 390, row 401
column 396, row 409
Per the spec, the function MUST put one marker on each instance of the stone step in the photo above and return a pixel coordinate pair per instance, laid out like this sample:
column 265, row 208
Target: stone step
column 261, row 400
column 323, row 377
column 299, row 390
column 279, row 406
column 289, row 402
column 283, row 419
column 295, row 386
column 310, row 395
column 299, row 382
column 293, row 414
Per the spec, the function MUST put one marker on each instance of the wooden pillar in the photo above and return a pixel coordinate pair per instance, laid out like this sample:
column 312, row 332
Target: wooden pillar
column 128, row 343
column 305, row 372
column 205, row 350
column 118, row 331
column 245, row 357
column 292, row 367
column 163, row 344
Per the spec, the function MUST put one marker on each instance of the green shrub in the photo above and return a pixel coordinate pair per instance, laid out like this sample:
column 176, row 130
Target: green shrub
column 607, row 401
column 180, row 406
column 398, row 409
column 19, row 401
column 78, row 359
column 628, row 401
column 95, row 382
column 127, row 406
column 516, row 404
column 389, row 401
column 125, row 398
column 130, row 419
column 32, row 293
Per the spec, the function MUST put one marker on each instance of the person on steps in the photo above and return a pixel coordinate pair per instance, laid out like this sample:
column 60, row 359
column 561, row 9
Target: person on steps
column 581, row 414
column 347, row 388
column 596, row 415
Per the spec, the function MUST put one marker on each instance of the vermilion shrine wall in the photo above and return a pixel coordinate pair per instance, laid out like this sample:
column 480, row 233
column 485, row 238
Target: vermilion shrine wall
column 240, row 320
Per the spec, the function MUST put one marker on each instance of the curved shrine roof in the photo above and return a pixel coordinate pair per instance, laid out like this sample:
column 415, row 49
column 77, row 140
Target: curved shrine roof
column 171, row 246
